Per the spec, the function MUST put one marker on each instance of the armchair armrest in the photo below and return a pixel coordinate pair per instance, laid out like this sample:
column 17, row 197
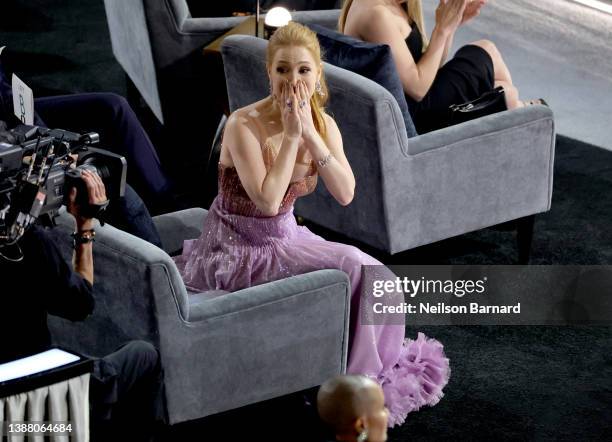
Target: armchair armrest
column 219, row 25
column 209, row 25
column 541, row 116
column 276, row 291
column 327, row 18
column 469, row 176
column 255, row 344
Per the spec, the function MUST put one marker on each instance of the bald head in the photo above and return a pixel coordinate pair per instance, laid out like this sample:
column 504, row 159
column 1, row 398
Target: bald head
column 343, row 399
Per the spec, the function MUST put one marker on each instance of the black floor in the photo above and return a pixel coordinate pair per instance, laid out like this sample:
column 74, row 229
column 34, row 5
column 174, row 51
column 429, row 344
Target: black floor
column 508, row 383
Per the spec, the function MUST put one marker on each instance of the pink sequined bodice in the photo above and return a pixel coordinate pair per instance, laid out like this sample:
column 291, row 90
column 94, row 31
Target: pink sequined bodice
column 234, row 198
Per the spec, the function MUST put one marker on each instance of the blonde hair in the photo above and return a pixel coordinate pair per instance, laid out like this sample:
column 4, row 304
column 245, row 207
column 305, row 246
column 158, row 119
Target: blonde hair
column 413, row 8
column 296, row 34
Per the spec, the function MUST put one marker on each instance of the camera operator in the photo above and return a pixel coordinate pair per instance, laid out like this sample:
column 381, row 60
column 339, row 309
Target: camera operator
column 110, row 115
column 125, row 387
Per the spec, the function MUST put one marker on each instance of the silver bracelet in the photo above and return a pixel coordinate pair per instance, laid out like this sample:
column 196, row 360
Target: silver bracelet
column 325, row 161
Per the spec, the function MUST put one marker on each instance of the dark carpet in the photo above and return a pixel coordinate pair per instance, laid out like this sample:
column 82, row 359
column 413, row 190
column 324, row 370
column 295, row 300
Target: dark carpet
column 507, row 383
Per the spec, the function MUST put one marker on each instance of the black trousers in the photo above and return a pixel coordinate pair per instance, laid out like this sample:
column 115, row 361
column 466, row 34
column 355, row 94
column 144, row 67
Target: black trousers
column 126, row 394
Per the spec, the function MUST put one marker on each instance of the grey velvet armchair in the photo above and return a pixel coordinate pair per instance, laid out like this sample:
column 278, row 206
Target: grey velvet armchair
column 218, row 350
column 415, row 191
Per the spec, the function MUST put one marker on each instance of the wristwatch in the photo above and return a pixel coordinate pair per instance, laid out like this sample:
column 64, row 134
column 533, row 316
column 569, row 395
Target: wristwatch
column 83, row 237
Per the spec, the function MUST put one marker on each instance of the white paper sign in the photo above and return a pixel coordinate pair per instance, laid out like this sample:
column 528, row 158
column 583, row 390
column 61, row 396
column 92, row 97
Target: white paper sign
column 23, row 101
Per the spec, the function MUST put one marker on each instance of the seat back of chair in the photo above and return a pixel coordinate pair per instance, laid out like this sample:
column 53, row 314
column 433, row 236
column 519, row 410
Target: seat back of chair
column 369, row 120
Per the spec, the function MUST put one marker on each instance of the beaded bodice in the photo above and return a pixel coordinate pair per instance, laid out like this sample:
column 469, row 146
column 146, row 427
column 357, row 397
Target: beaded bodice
column 234, row 198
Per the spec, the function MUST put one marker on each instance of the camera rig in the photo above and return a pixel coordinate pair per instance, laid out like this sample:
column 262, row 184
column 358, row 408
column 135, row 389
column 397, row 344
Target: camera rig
column 37, row 171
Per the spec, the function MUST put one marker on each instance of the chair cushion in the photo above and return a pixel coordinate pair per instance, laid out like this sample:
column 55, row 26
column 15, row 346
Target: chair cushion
column 373, row 61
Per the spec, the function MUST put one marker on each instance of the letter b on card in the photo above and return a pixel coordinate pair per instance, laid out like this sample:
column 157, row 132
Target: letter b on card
column 23, row 101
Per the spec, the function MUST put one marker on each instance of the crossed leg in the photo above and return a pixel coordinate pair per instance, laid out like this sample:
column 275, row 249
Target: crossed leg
column 502, row 77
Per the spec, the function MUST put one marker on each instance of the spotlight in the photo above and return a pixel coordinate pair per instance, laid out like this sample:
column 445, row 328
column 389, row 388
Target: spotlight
column 275, row 18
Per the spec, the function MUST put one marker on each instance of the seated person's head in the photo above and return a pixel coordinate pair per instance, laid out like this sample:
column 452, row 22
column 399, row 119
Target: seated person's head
column 294, row 56
column 354, row 407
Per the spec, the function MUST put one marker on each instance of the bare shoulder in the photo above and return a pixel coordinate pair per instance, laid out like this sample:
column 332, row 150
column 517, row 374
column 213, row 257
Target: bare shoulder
column 330, row 123
column 246, row 118
column 241, row 136
column 238, row 121
column 333, row 134
column 359, row 17
column 241, row 131
column 379, row 24
column 376, row 15
column 367, row 12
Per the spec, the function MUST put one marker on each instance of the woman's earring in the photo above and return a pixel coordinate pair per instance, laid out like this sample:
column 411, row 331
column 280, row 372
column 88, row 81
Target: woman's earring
column 363, row 436
column 319, row 89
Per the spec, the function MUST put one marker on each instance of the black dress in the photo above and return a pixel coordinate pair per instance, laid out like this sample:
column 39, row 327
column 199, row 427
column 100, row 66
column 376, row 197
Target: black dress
column 463, row 78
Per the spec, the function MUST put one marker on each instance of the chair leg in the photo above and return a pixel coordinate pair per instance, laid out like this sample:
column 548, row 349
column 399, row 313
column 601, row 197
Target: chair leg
column 524, row 236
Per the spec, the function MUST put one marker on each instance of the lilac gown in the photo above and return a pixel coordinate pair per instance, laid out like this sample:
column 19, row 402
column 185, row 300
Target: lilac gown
column 240, row 247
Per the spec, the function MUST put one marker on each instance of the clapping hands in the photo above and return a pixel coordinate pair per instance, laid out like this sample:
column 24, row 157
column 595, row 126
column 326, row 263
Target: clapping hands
column 449, row 14
column 472, row 9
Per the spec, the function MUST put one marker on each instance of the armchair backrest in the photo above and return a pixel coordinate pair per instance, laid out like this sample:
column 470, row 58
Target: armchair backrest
column 151, row 37
column 371, row 124
column 175, row 34
column 131, row 45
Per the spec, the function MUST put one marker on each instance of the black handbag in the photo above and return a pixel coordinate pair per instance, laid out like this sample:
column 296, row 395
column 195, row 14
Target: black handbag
column 488, row 103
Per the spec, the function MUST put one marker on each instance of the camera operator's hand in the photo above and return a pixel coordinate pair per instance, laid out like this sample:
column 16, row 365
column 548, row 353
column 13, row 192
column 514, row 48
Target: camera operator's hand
column 97, row 195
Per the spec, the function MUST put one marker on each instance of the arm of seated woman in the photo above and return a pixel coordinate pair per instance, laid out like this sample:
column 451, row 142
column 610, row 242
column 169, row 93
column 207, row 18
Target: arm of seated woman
column 337, row 173
column 265, row 188
column 380, row 27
